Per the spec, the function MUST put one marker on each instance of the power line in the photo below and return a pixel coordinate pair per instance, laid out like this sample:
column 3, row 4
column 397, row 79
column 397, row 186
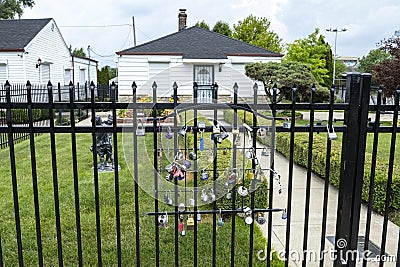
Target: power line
column 95, row 26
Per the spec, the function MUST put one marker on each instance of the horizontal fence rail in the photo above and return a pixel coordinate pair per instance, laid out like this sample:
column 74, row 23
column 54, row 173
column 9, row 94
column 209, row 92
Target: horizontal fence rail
column 83, row 215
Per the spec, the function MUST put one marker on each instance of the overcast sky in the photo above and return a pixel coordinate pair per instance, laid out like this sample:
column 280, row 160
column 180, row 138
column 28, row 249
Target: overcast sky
column 367, row 22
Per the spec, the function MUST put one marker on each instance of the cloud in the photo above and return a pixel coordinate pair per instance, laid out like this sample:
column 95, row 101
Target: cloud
column 367, row 21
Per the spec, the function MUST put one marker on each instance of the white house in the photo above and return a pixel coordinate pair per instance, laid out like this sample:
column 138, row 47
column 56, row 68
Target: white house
column 190, row 55
column 34, row 50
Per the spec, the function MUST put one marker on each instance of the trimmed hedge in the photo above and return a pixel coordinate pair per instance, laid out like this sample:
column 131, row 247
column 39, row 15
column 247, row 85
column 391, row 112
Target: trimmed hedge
column 300, row 157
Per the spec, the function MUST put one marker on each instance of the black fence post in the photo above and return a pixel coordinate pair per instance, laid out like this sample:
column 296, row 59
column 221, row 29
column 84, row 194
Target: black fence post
column 348, row 173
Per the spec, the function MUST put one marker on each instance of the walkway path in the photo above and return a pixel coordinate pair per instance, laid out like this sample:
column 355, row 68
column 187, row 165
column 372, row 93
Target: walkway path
column 279, row 227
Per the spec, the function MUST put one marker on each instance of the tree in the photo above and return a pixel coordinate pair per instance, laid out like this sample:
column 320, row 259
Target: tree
column 286, row 75
column 256, row 31
column 374, row 57
column 103, row 75
column 10, row 8
column 312, row 50
column 387, row 72
column 202, row 24
column 79, row 52
column 222, row 28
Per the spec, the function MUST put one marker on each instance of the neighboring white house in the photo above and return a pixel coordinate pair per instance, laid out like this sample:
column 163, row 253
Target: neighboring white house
column 190, row 55
column 34, row 50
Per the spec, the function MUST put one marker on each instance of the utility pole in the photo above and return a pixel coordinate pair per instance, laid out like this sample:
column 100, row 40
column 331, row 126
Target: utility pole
column 88, row 49
column 134, row 30
column 334, row 56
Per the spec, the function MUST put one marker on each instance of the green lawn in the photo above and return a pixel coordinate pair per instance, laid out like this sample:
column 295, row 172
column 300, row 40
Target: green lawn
column 107, row 208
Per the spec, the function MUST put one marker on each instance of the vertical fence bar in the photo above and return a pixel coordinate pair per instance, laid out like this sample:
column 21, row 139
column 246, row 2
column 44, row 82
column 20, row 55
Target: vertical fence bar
column 390, row 175
column 96, row 175
column 235, row 137
column 348, row 167
column 7, row 87
column 214, row 204
column 136, row 175
column 116, row 176
column 309, row 173
column 373, row 166
column 34, row 175
column 290, row 178
column 271, row 174
column 362, row 141
column 60, row 118
column 253, row 166
column 175, row 92
column 327, row 174
column 195, row 122
column 55, row 173
column 155, row 172
column 75, row 172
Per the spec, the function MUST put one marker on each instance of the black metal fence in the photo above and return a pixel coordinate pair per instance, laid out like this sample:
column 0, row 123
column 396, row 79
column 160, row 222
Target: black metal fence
column 19, row 117
column 131, row 226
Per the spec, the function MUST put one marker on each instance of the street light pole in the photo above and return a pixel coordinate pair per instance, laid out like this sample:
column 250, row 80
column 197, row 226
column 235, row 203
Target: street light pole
column 334, row 56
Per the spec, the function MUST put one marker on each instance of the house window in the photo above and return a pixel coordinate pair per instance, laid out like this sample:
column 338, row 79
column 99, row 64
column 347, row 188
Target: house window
column 45, row 72
column 82, row 77
column 67, row 77
column 3, row 73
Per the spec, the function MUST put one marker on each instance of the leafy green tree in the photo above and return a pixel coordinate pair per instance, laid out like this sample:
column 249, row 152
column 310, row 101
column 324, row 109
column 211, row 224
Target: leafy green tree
column 340, row 68
column 79, row 52
column 222, row 28
column 103, row 75
column 374, row 57
column 387, row 72
column 312, row 50
column 202, row 24
column 256, row 31
column 286, row 75
column 10, row 8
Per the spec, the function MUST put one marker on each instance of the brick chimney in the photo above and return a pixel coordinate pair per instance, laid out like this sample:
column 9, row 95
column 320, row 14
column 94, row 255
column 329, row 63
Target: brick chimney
column 182, row 16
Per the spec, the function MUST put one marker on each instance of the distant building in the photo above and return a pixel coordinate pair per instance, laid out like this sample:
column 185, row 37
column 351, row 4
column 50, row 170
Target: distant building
column 34, row 50
column 190, row 55
column 350, row 62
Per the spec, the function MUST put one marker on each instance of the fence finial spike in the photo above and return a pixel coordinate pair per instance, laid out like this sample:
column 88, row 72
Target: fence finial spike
column 313, row 88
column 175, row 85
column 70, row 84
column 154, row 85
column 49, row 84
column 255, row 86
column 134, row 85
column 92, row 84
column 28, row 84
column 7, row 83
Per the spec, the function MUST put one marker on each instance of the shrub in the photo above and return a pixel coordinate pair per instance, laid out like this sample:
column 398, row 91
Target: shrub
column 20, row 116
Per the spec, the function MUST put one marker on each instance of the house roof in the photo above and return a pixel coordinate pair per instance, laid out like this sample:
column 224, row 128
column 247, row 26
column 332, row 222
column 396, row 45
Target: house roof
column 16, row 34
column 198, row 43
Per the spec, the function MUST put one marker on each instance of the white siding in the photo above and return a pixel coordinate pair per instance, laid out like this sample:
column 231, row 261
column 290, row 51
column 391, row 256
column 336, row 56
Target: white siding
column 90, row 68
column 14, row 62
column 145, row 69
column 49, row 46
column 130, row 69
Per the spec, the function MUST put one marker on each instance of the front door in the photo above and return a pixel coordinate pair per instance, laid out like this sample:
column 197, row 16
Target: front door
column 204, row 77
